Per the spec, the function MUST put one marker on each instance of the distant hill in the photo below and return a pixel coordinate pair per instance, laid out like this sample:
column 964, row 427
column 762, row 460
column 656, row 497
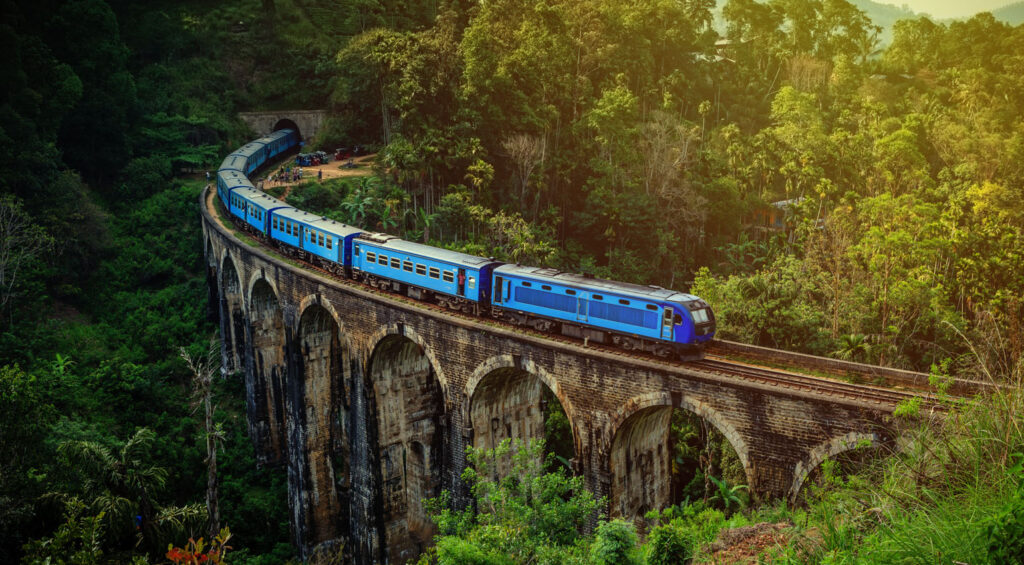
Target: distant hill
column 884, row 16
column 1012, row 14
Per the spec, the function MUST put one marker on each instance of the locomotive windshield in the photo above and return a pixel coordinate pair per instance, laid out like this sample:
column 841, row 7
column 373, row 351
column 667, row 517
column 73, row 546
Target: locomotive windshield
column 701, row 313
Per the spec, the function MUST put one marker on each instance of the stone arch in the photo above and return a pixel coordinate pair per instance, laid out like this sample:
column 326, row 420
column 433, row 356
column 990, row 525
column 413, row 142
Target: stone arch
column 313, row 300
column 409, row 415
column 412, row 334
column 265, row 383
column 232, row 315
column 694, row 406
column 317, row 443
column 640, row 457
column 288, row 123
column 261, row 276
column 508, row 361
column 211, row 253
column 505, row 401
column 231, row 277
column 825, row 450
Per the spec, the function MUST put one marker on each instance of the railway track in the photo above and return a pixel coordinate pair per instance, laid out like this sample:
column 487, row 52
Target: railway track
column 718, row 365
column 806, row 383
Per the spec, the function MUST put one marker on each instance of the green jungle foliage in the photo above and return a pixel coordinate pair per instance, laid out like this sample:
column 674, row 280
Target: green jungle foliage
column 620, row 139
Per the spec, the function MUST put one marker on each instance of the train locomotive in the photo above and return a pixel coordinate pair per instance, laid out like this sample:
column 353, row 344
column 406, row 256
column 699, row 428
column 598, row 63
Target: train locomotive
column 663, row 322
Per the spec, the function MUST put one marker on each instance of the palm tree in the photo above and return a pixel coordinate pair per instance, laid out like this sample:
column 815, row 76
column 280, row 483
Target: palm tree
column 726, row 494
column 122, row 482
column 852, row 347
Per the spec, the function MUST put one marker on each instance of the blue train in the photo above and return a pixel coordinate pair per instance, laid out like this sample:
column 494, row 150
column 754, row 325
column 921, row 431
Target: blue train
column 629, row 316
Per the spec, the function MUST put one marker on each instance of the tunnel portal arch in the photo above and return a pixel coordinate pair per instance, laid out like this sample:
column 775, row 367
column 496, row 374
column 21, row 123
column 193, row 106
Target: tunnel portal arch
column 287, row 123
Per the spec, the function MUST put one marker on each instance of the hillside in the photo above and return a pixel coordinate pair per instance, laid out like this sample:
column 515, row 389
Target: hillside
column 884, row 16
column 1012, row 14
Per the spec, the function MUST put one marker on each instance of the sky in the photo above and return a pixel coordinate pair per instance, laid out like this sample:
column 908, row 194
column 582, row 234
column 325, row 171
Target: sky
column 949, row 8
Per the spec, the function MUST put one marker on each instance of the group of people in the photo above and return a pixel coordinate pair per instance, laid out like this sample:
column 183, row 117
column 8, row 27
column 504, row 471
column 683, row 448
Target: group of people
column 287, row 174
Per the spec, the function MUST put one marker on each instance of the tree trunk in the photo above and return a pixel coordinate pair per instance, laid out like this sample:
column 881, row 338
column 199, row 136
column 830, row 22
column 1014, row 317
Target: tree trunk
column 212, row 508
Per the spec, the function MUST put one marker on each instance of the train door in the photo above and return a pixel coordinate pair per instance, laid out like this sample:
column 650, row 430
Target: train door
column 666, row 324
column 462, row 282
column 499, row 290
column 581, row 308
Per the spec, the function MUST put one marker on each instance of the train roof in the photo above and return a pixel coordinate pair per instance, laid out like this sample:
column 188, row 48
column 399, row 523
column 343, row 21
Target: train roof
column 233, row 178
column 233, row 162
column 317, row 222
column 249, row 149
column 260, row 198
column 586, row 282
column 391, row 242
column 274, row 136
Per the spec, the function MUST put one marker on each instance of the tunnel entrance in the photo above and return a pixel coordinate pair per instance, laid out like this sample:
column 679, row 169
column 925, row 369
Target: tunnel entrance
column 285, row 123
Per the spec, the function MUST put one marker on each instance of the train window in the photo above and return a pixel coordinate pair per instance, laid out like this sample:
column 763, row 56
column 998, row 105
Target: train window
column 545, row 287
column 570, row 292
column 653, row 307
column 668, row 312
column 383, row 260
column 329, row 242
column 435, row 273
column 626, row 302
column 273, row 223
column 472, row 282
column 421, row 269
column 320, row 237
column 527, row 284
column 371, row 257
column 396, row 263
column 449, row 276
column 677, row 319
column 407, row 266
column 355, row 250
column 597, row 297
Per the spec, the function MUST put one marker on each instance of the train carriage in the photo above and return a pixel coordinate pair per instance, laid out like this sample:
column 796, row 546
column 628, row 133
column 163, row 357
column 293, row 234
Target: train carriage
column 255, row 155
column 258, row 208
column 235, row 162
column 315, row 236
column 278, row 142
column 631, row 316
column 228, row 180
column 453, row 279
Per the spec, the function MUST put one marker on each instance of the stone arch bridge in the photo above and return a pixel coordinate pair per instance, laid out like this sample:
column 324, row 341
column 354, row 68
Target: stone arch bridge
column 370, row 401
